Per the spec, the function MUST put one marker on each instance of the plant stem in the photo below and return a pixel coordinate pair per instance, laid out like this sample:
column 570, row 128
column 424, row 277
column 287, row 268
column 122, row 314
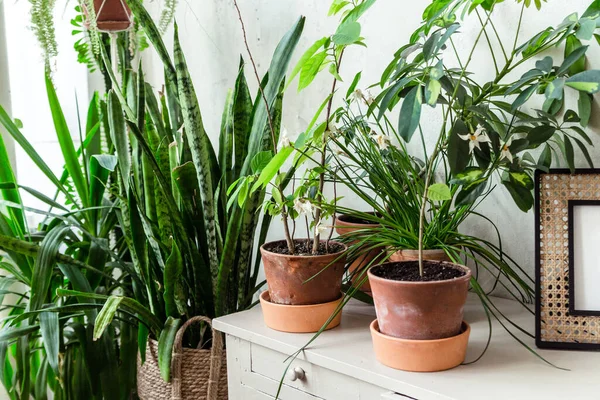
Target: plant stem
column 284, row 214
column 319, row 196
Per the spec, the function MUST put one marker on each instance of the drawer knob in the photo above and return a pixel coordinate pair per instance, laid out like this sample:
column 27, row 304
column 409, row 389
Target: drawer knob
column 296, row 373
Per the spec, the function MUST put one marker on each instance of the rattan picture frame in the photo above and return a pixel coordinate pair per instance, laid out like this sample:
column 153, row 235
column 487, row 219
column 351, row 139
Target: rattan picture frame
column 558, row 324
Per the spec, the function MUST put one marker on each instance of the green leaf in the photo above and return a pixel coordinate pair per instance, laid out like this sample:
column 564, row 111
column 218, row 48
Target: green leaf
column 410, row 114
column 469, row 194
column 540, row 134
column 554, row 90
column 430, row 45
column 261, row 160
column 522, row 179
column 106, row 315
column 353, row 85
column 586, row 81
column 270, row 170
column 118, row 136
column 432, row 92
column 106, row 161
column 546, row 157
column 333, row 71
column 310, row 69
column 439, row 192
column 304, row 59
column 572, row 44
column 577, row 55
column 521, row 195
column 586, row 29
column 468, row 176
column 165, row 347
column 584, row 105
column 51, row 336
column 347, row 33
column 173, row 281
column 545, row 64
column 66, row 144
column 458, row 149
column 569, row 154
column 523, row 97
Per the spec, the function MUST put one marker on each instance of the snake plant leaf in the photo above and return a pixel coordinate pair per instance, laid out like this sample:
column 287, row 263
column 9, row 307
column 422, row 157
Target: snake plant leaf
column 155, row 114
column 166, row 342
column 50, row 331
column 144, row 19
column 203, row 154
column 242, row 120
column 174, row 301
column 586, row 81
column 118, row 136
column 410, row 113
column 106, row 315
column 226, row 142
column 66, row 144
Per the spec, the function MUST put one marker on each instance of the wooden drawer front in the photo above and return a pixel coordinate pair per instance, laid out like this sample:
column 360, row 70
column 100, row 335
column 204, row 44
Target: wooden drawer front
column 317, row 381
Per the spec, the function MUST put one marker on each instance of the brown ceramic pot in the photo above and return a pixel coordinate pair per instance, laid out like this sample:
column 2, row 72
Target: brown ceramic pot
column 343, row 226
column 289, row 277
column 112, row 15
column 420, row 310
column 411, row 255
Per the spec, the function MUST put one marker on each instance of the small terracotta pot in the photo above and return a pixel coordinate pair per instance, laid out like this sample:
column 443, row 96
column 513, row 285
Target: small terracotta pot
column 111, row 15
column 289, row 277
column 299, row 319
column 420, row 355
column 411, row 255
column 344, row 226
column 420, row 310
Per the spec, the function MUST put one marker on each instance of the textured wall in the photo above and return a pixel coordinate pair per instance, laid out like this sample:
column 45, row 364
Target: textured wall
column 212, row 41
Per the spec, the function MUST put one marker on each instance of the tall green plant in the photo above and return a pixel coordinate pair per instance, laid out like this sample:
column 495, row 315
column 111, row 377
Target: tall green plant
column 190, row 241
column 46, row 341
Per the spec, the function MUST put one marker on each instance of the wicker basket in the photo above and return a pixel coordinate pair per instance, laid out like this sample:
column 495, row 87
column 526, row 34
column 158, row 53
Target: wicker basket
column 196, row 374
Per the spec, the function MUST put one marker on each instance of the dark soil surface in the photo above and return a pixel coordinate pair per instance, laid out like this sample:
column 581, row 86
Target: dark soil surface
column 355, row 219
column 409, row 271
column 304, row 248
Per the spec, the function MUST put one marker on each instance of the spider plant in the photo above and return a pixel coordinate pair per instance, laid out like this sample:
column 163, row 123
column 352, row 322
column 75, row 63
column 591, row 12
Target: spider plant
column 46, row 341
column 192, row 253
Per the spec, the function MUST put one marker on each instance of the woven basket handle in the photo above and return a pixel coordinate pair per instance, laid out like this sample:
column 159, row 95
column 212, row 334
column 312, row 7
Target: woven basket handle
column 216, row 353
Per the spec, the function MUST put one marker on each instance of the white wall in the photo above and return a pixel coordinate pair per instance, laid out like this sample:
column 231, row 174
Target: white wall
column 25, row 69
column 4, row 83
column 212, row 41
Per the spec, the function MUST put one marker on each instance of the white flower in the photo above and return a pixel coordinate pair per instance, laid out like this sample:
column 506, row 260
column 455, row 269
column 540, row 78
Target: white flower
column 284, row 139
column 333, row 130
column 475, row 138
column 369, row 98
column 303, row 207
column 505, row 153
column 320, row 229
column 358, row 94
column 383, row 141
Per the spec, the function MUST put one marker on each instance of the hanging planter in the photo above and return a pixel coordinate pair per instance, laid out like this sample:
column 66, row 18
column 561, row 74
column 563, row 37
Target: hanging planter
column 196, row 373
column 108, row 15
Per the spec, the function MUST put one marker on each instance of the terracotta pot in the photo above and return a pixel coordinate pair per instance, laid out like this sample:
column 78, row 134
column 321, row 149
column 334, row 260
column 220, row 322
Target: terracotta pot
column 111, row 15
column 289, row 277
column 411, row 255
column 344, row 226
column 420, row 355
column 420, row 310
column 299, row 319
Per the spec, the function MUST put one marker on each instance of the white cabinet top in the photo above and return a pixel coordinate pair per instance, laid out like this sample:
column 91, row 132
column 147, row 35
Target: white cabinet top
column 507, row 371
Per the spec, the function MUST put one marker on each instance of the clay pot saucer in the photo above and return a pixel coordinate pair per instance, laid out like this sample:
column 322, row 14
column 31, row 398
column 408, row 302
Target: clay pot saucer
column 420, row 355
column 299, row 318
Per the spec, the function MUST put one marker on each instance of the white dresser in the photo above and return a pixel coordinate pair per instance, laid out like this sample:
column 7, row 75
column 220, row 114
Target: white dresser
column 340, row 364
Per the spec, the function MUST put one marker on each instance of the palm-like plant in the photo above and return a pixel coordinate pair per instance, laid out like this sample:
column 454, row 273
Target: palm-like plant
column 46, row 341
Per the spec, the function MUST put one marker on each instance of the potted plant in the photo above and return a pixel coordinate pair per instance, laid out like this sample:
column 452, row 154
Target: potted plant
column 422, row 203
column 305, row 275
column 190, row 241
